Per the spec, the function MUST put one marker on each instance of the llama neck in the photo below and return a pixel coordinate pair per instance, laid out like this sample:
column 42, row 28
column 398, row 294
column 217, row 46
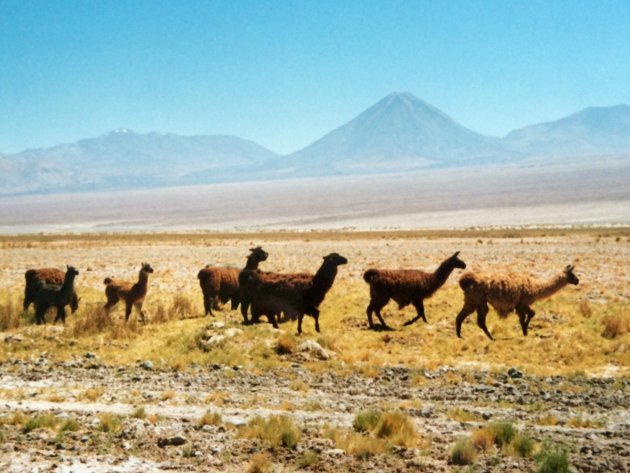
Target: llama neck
column 551, row 286
column 322, row 282
column 68, row 284
column 252, row 262
column 440, row 275
column 143, row 278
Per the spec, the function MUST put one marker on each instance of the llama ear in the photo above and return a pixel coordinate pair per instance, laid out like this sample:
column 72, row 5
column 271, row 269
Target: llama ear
column 569, row 268
column 456, row 254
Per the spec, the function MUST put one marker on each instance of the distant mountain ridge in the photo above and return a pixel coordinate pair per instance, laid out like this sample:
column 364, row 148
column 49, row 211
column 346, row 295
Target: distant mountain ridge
column 397, row 134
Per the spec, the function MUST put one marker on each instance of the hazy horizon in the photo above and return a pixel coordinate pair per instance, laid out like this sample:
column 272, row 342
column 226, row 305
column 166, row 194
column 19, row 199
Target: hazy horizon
column 282, row 74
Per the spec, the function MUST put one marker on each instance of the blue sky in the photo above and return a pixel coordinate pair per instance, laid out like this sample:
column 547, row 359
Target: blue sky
column 283, row 73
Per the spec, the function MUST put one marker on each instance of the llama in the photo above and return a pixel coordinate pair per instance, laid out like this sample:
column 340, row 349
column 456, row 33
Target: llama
column 507, row 292
column 54, row 296
column 406, row 286
column 293, row 294
column 222, row 284
column 132, row 294
column 51, row 276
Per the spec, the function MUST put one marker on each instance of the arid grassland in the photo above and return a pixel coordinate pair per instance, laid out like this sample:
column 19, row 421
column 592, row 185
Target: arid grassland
column 186, row 392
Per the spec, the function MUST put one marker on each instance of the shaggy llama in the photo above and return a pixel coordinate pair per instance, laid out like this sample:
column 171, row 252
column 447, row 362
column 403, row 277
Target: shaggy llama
column 507, row 292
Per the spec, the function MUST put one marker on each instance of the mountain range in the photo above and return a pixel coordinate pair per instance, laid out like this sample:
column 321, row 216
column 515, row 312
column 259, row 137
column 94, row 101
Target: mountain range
column 399, row 133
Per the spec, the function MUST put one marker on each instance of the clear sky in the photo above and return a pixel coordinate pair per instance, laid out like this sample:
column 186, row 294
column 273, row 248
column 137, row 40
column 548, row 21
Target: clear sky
column 283, row 73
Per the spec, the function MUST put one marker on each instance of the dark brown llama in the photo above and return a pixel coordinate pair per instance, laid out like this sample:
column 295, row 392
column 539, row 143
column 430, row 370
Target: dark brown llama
column 293, row 294
column 222, row 284
column 51, row 276
column 55, row 296
column 406, row 286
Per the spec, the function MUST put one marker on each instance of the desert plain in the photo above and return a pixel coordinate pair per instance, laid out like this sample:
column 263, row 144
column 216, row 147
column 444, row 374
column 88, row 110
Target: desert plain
column 188, row 392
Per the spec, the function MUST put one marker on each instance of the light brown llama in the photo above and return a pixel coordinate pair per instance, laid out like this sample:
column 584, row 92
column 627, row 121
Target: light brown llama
column 406, row 286
column 507, row 292
column 132, row 294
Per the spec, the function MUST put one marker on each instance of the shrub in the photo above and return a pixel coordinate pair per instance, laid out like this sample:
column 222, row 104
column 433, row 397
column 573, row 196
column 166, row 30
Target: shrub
column 308, row 459
column 210, row 418
column 397, row 428
column 261, row 463
column 503, row 432
column 139, row 413
column 109, row 423
column 70, row 425
column 367, row 420
column 359, row 445
column 276, row 430
column 616, row 325
column 482, row 439
column 462, row 453
column 285, row 344
column 523, row 445
column 552, row 460
column 38, row 422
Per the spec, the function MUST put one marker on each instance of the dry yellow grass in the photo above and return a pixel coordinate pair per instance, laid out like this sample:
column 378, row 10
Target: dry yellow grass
column 565, row 335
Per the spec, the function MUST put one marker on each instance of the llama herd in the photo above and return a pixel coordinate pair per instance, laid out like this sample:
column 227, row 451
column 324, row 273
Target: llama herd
column 281, row 296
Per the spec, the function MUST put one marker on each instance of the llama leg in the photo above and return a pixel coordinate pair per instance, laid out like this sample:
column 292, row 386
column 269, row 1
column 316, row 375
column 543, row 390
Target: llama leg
column 377, row 305
column 521, row 311
column 530, row 315
column 128, row 307
column 40, row 314
column 61, row 315
column 138, row 306
column 111, row 302
column 315, row 315
column 300, row 317
column 465, row 312
column 482, row 311
column 272, row 319
column 244, row 307
column 235, row 301
column 419, row 305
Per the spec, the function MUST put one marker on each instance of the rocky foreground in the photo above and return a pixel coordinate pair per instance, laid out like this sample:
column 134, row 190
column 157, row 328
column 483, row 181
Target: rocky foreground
column 139, row 419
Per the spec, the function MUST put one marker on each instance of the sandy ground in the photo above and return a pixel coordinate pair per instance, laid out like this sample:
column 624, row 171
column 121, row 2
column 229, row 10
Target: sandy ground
column 591, row 193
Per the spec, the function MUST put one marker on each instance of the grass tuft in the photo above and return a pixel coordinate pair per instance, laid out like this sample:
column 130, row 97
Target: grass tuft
column 285, row 344
column 210, row 418
column 616, row 325
column 260, row 463
column 503, row 433
column 278, row 431
column 462, row 453
column 38, row 422
column 482, row 439
column 367, row 420
column 109, row 423
column 552, row 460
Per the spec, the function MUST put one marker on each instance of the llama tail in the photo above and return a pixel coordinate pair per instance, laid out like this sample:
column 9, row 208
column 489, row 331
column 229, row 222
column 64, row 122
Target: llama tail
column 467, row 280
column 370, row 275
column 107, row 280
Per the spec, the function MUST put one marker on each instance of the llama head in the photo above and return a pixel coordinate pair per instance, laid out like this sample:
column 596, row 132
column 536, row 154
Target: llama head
column 146, row 268
column 336, row 259
column 258, row 254
column 571, row 278
column 71, row 270
column 455, row 262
